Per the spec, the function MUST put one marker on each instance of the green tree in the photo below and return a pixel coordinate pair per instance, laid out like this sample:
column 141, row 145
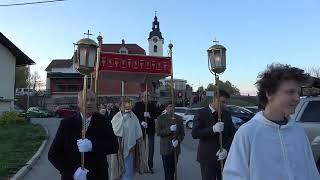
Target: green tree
column 200, row 89
column 21, row 80
column 227, row 86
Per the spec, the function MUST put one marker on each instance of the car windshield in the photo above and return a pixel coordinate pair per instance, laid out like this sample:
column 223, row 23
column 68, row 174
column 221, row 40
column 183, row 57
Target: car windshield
column 180, row 110
column 191, row 112
column 236, row 109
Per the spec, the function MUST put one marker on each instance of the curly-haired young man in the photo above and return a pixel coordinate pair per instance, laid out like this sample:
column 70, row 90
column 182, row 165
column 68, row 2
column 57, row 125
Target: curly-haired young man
column 270, row 145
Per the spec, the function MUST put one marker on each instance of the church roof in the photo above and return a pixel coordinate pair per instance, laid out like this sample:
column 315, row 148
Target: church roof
column 155, row 29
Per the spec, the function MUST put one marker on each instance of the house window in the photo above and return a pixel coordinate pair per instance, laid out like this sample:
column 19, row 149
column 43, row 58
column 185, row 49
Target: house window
column 74, row 88
column 60, row 88
column 155, row 48
column 68, row 88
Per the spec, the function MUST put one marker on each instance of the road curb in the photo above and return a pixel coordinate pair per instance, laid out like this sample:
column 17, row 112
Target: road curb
column 28, row 166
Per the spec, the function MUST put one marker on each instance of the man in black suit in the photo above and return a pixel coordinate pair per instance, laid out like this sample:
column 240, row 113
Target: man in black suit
column 109, row 112
column 206, row 128
column 149, row 125
column 66, row 148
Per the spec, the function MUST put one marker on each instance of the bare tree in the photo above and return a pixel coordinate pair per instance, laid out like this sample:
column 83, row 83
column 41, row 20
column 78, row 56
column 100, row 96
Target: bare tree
column 314, row 71
column 314, row 89
column 35, row 81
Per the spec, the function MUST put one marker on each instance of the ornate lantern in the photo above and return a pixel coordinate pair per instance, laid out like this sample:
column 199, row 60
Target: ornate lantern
column 217, row 58
column 85, row 56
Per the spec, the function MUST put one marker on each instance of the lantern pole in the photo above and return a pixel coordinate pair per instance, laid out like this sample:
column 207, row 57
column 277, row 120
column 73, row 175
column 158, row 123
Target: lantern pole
column 85, row 66
column 173, row 107
column 215, row 69
column 146, row 110
column 219, row 118
column 98, row 63
column 84, row 114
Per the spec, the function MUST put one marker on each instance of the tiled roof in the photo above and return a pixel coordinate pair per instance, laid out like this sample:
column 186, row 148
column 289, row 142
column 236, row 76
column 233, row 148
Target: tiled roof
column 59, row 63
column 132, row 48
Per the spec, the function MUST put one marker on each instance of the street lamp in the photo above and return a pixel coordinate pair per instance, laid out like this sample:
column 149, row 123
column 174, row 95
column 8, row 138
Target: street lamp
column 217, row 65
column 84, row 62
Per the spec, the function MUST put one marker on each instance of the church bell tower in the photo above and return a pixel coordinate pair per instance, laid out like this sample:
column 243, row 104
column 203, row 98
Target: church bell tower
column 155, row 39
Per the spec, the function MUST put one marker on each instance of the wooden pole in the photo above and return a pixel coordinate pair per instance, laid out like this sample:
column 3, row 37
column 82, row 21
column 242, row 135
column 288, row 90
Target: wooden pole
column 84, row 114
column 91, row 81
column 219, row 119
column 146, row 110
column 97, row 71
column 172, row 117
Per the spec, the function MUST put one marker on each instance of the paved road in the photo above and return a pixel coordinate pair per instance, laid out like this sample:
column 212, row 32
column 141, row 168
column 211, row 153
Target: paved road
column 43, row 170
column 188, row 168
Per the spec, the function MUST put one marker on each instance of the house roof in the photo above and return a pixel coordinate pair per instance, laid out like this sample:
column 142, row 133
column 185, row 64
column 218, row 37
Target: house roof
column 21, row 58
column 132, row 48
column 59, row 63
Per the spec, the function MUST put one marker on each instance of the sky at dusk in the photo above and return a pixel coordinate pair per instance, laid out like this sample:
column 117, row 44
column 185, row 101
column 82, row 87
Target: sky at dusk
column 255, row 33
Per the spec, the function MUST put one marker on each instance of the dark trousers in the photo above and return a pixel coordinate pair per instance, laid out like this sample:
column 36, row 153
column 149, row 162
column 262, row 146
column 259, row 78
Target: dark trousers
column 151, row 150
column 210, row 172
column 168, row 166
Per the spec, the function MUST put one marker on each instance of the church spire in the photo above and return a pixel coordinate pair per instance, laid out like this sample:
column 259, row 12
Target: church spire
column 155, row 38
column 155, row 28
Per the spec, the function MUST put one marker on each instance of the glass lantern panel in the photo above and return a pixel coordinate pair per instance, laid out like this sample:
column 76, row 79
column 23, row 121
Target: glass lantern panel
column 83, row 53
column 217, row 58
column 92, row 57
column 224, row 58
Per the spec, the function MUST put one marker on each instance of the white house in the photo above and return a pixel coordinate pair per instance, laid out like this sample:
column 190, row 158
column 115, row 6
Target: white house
column 10, row 58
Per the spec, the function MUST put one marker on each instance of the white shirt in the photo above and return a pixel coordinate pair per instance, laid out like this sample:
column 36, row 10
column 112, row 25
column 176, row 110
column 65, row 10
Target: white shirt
column 211, row 108
column 264, row 150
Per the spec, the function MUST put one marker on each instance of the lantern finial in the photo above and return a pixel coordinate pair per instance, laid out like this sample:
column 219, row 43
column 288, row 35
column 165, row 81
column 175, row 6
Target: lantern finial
column 88, row 33
column 215, row 41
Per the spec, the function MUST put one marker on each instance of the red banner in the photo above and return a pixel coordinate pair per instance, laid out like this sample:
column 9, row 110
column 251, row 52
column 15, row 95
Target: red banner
column 135, row 63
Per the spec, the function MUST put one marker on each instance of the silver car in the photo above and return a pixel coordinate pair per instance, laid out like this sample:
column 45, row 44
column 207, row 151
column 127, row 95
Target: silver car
column 307, row 114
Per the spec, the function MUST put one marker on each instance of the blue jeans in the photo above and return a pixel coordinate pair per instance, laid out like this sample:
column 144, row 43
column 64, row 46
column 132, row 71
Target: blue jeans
column 129, row 167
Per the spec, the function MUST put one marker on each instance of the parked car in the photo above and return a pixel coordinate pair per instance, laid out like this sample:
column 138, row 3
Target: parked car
column 37, row 112
column 189, row 116
column 180, row 111
column 307, row 114
column 25, row 92
column 237, row 122
column 240, row 112
column 65, row 111
column 253, row 109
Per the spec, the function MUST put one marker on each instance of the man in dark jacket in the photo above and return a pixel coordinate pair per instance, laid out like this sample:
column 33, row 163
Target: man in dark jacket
column 110, row 112
column 149, row 125
column 207, row 128
column 66, row 148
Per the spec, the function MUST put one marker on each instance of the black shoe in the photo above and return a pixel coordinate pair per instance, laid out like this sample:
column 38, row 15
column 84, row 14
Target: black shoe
column 151, row 170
